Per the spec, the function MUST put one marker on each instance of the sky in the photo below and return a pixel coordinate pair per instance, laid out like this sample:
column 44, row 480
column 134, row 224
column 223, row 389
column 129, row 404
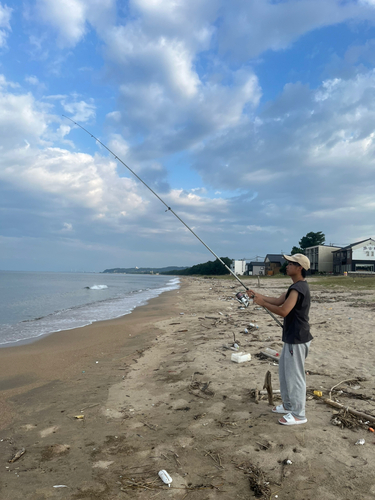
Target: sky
column 254, row 120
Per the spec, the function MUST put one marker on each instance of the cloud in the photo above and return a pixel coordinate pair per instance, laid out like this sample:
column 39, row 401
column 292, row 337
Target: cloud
column 286, row 21
column 67, row 17
column 32, row 79
column 21, row 117
column 82, row 111
column 5, row 28
column 70, row 19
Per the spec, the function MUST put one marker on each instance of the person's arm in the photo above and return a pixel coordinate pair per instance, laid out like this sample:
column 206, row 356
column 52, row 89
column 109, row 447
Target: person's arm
column 277, row 301
column 281, row 310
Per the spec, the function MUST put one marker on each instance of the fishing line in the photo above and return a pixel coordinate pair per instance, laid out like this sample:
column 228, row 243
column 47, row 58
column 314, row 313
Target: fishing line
column 169, row 210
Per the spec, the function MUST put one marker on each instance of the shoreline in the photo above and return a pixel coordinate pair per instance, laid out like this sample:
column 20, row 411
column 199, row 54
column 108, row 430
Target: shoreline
column 37, row 338
column 66, row 354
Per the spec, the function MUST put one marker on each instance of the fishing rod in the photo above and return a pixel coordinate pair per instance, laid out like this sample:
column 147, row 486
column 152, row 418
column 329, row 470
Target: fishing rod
column 174, row 213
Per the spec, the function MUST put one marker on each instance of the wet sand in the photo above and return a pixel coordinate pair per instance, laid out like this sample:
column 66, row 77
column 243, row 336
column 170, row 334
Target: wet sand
column 157, row 390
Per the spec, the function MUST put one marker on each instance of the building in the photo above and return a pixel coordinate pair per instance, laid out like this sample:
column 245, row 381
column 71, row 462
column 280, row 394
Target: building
column 357, row 257
column 273, row 263
column 321, row 258
column 238, row 266
column 256, row 268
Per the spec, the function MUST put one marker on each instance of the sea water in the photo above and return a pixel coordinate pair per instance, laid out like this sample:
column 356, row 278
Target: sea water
column 34, row 304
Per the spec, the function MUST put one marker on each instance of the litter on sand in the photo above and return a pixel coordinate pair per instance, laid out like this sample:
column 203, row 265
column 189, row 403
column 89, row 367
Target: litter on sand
column 240, row 357
column 165, row 477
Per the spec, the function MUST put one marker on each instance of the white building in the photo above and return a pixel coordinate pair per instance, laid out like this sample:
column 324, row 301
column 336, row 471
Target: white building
column 238, row 267
column 357, row 257
column 321, row 258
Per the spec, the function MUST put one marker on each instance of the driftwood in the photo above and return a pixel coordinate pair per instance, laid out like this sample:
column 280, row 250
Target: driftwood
column 268, row 386
column 364, row 416
column 17, row 455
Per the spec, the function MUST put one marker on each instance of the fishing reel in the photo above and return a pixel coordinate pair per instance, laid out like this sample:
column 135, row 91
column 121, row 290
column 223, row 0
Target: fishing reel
column 244, row 299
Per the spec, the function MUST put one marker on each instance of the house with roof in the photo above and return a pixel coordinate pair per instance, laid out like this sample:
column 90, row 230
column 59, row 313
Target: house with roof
column 273, row 263
column 321, row 258
column 256, row 268
column 357, row 257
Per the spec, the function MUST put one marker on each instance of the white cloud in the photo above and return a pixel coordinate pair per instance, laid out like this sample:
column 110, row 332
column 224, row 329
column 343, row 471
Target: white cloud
column 21, row 118
column 70, row 19
column 32, row 79
column 82, row 111
column 67, row 17
column 268, row 25
column 5, row 28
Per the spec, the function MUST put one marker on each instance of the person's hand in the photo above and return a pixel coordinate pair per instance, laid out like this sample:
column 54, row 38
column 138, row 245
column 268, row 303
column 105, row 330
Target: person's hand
column 259, row 300
column 251, row 293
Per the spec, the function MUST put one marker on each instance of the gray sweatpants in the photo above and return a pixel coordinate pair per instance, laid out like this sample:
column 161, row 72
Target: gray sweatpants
column 292, row 378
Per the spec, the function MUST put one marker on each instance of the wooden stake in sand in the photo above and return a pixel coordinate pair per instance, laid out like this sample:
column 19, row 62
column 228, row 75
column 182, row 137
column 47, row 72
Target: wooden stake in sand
column 268, row 387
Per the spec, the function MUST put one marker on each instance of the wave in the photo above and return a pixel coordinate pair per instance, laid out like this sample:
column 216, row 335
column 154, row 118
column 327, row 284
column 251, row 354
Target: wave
column 97, row 287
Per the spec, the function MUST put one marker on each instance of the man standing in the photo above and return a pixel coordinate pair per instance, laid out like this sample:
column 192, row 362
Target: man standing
column 293, row 306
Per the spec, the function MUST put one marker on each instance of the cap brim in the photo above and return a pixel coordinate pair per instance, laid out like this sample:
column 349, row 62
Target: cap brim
column 289, row 257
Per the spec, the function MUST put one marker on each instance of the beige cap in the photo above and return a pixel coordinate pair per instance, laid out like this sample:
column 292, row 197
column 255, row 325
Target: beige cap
column 301, row 259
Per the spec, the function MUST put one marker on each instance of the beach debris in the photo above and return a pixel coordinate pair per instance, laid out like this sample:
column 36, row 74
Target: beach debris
column 61, row 486
column 364, row 416
column 360, row 441
column 240, row 357
column 196, row 387
column 253, row 325
column 318, row 393
column 268, row 350
column 287, row 462
column 17, row 455
column 165, row 477
column 79, row 417
column 264, row 355
column 216, row 458
column 348, row 381
column 257, row 479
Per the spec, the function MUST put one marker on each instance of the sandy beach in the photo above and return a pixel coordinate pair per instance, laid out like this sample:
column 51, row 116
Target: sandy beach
column 157, row 389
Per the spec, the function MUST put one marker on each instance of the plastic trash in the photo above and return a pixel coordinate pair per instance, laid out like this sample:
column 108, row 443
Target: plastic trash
column 165, row 477
column 268, row 350
column 360, row 441
column 240, row 357
column 246, row 330
column 253, row 325
column 318, row 393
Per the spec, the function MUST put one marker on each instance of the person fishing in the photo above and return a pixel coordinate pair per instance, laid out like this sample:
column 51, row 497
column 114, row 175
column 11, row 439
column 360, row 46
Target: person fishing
column 293, row 306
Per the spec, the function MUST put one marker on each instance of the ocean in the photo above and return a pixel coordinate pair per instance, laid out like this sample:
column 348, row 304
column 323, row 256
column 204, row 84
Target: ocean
column 34, row 304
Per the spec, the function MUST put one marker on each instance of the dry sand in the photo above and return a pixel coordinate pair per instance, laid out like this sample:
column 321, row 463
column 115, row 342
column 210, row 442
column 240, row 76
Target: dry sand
column 158, row 391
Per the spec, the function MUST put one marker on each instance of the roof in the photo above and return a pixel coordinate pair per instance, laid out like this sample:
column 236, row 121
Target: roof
column 354, row 244
column 275, row 257
column 325, row 246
